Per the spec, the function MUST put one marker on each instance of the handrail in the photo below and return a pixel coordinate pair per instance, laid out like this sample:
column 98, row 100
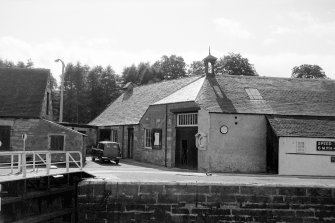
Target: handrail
column 19, row 162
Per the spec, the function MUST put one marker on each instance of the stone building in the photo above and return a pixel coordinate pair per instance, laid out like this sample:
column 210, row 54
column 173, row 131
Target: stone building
column 226, row 123
column 26, row 109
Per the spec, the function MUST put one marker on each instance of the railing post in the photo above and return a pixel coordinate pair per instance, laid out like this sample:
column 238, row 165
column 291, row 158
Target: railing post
column 48, row 160
column 19, row 162
column 11, row 163
column 24, row 166
column 34, row 160
column 67, row 161
column 81, row 160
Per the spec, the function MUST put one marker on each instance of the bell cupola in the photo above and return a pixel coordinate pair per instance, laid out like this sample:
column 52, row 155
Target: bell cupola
column 209, row 64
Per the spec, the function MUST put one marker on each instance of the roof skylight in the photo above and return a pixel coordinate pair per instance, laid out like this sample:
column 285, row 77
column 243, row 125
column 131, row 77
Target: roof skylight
column 253, row 94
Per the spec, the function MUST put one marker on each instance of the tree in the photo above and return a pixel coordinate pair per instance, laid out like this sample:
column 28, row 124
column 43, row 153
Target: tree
column 196, row 68
column 145, row 73
column 75, row 103
column 172, row 67
column 130, row 74
column 19, row 64
column 308, row 71
column 146, row 76
column 235, row 64
column 101, row 89
column 94, row 91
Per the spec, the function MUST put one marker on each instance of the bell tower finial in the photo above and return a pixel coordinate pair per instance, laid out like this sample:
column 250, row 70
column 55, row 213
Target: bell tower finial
column 209, row 64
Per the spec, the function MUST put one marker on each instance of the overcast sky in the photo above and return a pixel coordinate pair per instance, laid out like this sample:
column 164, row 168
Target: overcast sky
column 274, row 35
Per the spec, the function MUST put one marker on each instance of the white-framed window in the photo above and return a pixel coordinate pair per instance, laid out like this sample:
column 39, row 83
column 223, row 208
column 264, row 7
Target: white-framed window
column 187, row 119
column 253, row 94
column 148, row 138
column 300, row 147
column 57, row 142
column 114, row 136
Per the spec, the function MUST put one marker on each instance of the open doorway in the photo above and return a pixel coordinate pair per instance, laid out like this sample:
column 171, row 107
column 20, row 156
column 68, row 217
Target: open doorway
column 130, row 142
column 186, row 151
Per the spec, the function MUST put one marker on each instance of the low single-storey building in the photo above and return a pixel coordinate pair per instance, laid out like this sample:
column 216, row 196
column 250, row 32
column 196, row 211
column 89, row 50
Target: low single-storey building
column 224, row 123
column 26, row 114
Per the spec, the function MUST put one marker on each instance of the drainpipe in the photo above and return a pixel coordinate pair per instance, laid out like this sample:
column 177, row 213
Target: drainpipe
column 123, row 141
column 166, row 123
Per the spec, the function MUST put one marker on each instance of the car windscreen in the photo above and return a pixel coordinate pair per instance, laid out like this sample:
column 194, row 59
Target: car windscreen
column 111, row 146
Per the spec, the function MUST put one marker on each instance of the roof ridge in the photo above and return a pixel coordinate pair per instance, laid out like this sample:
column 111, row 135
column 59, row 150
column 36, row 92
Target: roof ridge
column 25, row 69
column 267, row 77
column 168, row 80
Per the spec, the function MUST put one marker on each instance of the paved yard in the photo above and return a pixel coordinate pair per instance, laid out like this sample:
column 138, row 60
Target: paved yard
column 132, row 171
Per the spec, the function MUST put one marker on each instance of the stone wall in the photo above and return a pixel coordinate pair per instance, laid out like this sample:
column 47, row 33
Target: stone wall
column 105, row 201
column 155, row 117
column 38, row 135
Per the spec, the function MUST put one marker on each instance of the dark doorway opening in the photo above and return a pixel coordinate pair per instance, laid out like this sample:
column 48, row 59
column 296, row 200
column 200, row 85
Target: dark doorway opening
column 272, row 153
column 5, row 138
column 130, row 142
column 186, row 151
column 104, row 135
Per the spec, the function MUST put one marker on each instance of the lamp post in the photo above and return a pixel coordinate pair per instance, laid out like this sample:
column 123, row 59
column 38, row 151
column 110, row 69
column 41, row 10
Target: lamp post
column 61, row 91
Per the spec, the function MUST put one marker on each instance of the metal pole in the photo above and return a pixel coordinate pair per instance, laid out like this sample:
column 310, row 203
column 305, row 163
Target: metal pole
column 61, row 91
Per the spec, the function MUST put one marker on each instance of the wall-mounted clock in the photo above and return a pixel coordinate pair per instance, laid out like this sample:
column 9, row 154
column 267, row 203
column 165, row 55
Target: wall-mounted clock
column 224, row 129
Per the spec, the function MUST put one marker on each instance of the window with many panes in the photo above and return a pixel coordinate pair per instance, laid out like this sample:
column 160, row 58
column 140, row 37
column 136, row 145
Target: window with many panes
column 187, row 119
column 57, row 142
column 153, row 138
column 147, row 137
column 114, row 135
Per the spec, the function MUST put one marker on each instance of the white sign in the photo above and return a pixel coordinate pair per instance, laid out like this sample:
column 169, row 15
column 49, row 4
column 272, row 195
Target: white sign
column 156, row 142
column 0, row 143
column 24, row 136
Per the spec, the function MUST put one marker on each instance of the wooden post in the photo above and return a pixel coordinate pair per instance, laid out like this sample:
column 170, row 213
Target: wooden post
column 67, row 160
column 48, row 160
column 11, row 163
column 19, row 162
column 81, row 160
column 34, row 160
column 24, row 166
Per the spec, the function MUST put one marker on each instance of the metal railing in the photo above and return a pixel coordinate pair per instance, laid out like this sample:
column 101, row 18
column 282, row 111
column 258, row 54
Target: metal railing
column 19, row 162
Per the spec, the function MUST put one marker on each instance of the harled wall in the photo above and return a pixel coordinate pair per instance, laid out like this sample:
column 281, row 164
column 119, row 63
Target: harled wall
column 241, row 149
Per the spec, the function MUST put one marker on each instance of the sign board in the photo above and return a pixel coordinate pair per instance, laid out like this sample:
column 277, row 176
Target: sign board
column 24, row 136
column 332, row 159
column 325, row 145
column 0, row 143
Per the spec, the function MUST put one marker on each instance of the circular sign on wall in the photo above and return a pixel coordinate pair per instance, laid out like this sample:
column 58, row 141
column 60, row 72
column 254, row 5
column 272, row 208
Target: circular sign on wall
column 224, row 129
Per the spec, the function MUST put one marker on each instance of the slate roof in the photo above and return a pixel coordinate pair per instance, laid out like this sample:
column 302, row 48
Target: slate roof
column 129, row 108
column 22, row 92
column 303, row 127
column 283, row 96
column 187, row 93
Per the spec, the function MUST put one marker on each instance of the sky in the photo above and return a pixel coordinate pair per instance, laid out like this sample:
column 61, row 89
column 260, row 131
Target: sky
column 274, row 35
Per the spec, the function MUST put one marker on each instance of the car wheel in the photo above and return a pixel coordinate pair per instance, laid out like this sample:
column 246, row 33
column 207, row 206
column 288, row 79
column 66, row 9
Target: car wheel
column 117, row 162
column 93, row 158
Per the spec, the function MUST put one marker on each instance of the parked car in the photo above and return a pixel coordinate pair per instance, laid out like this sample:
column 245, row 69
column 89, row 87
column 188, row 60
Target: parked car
column 107, row 151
